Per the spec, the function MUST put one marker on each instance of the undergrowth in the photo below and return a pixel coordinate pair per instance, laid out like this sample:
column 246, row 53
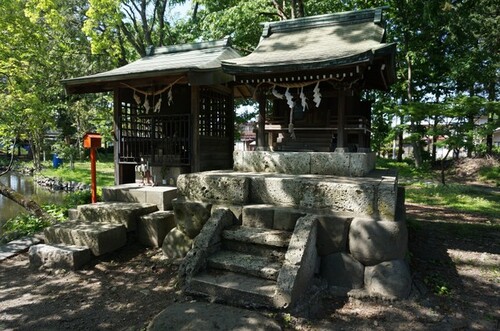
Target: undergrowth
column 27, row 225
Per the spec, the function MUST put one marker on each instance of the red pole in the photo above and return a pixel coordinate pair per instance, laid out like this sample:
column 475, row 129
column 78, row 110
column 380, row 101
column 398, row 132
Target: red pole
column 93, row 183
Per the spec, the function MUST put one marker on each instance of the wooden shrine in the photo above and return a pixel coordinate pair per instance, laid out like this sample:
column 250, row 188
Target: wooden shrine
column 308, row 75
column 173, row 110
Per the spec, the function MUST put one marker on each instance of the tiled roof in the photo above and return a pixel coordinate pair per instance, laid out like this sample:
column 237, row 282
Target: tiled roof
column 315, row 43
column 170, row 60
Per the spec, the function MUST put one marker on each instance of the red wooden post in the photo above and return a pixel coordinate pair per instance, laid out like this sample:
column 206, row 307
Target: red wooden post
column 93, row 182
column 92, row 141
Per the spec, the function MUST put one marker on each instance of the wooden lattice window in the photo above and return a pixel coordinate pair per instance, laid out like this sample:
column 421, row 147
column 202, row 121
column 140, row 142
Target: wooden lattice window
column 160, row 138
column 215, row 113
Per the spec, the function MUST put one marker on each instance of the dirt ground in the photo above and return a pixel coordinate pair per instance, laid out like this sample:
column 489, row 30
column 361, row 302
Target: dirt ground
column 456, row 287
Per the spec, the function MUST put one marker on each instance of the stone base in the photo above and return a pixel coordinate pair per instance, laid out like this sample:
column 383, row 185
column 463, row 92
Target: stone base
column 152, row 228
column 339, row 163
column 59, row 256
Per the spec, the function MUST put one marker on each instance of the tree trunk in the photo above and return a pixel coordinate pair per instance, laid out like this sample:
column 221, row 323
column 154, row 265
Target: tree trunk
column 400, row 146
column 31, row 206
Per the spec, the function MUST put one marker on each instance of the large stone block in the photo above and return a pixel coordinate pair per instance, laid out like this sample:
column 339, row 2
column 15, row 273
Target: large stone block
column 286, row 218
column 333, row 231
column 258, row 216
column 390, row 279
column 59, row 256
column 237, row 211
column 101, row 238
column 372, row 242
column 361, row 164
column 387, row 198
column 176, row 244
column 342, row 270
column 190, row 216
column 214, row 186
column 272, row 162
column 118, row 192
column 330, row 163
column 161, row 196
column 126, row 213
column 300, row 261
column 339, row 194
column 152, row 228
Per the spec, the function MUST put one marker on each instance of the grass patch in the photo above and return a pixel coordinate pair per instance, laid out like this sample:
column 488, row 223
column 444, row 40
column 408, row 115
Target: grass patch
column 463, row 198
column 490, row 174
column 406, row 169
column 81, row 173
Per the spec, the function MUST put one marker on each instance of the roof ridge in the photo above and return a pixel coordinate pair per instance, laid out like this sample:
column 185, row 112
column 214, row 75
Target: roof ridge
column 349, row 17
column 226, row 42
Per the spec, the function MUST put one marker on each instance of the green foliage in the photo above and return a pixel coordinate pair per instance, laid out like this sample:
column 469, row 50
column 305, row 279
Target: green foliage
column 74, row 199
column 22, row 225
column 438, row 284
column 27, row 224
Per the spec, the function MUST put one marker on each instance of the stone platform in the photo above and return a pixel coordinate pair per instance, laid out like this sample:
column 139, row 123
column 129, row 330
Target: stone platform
column 374, row 195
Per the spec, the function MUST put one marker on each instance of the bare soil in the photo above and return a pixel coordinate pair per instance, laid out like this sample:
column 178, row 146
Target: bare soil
column 455, row 261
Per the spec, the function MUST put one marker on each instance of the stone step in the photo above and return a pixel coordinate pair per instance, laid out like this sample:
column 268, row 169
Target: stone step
column 270, row 216
column 272, row 252
column 161, row 196
column 126, row 213
column 258, row 236
column 59, row 256
column 101, row 238
column 253, row 265
column 235, row 288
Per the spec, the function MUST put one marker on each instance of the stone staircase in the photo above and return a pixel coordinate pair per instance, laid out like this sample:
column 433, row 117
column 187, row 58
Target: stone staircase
column 254, row 264
column 270, row 235
column 101, row 228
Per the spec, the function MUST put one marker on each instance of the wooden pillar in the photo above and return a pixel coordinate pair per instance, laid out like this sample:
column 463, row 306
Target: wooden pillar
column 195, row 129
column 116, row 136
column 261, row 135
column 341, row 121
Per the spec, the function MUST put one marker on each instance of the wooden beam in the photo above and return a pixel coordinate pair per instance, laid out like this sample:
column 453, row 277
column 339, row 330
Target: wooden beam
column 261, row 137
column 116, row 135
column 195, row 129
column 341, row 119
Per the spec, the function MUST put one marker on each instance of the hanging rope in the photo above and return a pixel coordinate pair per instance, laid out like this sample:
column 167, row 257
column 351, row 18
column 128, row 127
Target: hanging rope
column 155, row 92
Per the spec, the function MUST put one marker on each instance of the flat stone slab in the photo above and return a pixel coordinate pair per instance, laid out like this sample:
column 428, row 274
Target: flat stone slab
column 235, row 288
column 101, row 238
column 268, row 237
column 59, row 256
column 17, row 246
column 258, row 266
column 210, row 317
column 161, row 196
column 126, row 213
